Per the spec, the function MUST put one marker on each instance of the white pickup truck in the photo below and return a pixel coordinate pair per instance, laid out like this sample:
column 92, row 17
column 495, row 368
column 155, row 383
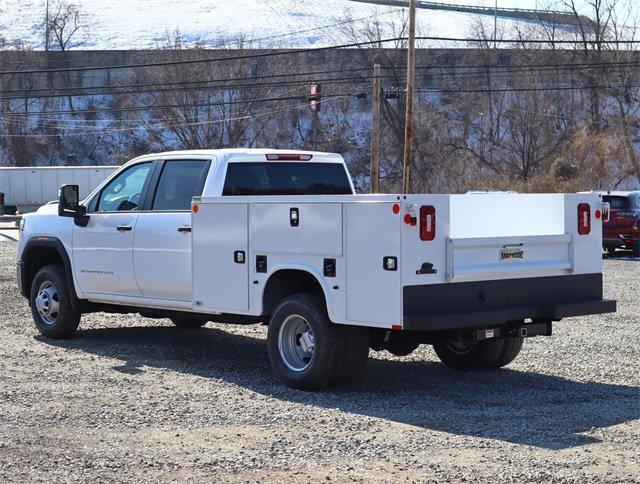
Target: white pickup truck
column 279, row 237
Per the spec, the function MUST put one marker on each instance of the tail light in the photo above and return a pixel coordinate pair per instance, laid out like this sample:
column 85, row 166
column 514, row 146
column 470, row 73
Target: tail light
column 584, row 219
column 427, row 222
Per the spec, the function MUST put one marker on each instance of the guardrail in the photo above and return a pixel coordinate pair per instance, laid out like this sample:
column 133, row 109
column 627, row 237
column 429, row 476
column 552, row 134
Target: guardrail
column 552, row 16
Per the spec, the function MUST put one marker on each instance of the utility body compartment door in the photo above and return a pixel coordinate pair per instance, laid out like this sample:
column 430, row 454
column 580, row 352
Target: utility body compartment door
column 373, row 293
column 220, row 275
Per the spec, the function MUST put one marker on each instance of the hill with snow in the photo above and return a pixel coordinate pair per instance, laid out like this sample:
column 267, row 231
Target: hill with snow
column 146, row 24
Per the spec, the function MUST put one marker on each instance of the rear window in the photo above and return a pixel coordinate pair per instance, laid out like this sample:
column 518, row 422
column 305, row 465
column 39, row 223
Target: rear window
column 286, row 178
column 617, row 203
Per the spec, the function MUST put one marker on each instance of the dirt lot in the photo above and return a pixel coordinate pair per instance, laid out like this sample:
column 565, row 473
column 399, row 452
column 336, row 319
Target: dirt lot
column 133, row 399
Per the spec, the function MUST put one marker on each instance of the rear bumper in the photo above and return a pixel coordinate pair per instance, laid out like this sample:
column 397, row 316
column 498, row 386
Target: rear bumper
column 466, row 305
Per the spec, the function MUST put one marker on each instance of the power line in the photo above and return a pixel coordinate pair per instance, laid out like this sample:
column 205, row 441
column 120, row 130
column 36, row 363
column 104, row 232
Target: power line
column 199, row 123
column 313, row 49
column 228, row 79
column 329, row 81
column 529, row 89
column 453, row 68
column 152, row 107
column 272, row 99
column 201, row 61
column 124, row 89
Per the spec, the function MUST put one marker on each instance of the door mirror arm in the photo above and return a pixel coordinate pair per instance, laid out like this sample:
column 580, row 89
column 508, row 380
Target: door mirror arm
column 81, row 219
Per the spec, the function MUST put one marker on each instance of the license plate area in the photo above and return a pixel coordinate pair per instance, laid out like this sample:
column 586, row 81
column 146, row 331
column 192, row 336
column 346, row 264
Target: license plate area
column 489, row 258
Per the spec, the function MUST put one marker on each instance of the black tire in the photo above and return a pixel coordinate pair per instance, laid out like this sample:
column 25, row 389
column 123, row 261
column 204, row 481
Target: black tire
column 51, row 304
column 186, row 322
column 402, row 344
column 482, row 355
column 510, row 350
column 339, row 352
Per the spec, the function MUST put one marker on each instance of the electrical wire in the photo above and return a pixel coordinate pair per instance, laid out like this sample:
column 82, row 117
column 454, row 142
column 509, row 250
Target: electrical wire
column 199, row 123
column 313, row 49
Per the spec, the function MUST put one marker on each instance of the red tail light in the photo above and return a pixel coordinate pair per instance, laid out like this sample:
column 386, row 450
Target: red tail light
column 584, row 219
column 427, row 222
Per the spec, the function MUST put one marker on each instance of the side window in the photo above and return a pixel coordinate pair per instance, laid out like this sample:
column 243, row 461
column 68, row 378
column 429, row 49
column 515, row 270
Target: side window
column 123, row 192
column 180, row 181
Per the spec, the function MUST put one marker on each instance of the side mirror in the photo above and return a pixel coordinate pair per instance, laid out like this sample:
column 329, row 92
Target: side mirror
column 69, row 205
column 68, row 200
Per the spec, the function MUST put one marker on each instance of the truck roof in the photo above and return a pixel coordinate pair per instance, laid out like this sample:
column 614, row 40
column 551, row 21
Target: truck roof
column 247, row 154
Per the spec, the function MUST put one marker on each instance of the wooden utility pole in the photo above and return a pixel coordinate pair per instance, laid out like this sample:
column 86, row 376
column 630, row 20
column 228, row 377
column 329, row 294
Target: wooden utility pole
column 411, row 76
column 46, row 28
column 495, row 26
column 375, row 130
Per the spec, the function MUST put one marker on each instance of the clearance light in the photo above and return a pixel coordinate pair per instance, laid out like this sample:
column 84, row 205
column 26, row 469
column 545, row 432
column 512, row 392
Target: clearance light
column 288, row 157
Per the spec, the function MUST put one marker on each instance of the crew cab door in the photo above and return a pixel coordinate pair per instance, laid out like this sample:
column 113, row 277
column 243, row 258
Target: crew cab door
column 103, row 250
column 162, row 241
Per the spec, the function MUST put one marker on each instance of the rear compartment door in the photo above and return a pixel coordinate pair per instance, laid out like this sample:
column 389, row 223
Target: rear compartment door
column 220, row 278
column 373, row 294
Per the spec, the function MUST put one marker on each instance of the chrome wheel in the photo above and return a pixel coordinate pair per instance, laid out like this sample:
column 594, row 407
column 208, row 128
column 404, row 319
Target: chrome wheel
column 296, row 343
column 460, row 348
column 47, row 302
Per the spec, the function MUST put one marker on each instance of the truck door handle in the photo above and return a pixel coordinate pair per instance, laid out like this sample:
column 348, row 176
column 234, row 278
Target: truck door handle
column 184, row 229
column 124, row 228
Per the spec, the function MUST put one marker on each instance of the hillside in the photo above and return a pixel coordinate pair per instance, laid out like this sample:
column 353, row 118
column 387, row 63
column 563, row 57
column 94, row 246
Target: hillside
column 144, row 24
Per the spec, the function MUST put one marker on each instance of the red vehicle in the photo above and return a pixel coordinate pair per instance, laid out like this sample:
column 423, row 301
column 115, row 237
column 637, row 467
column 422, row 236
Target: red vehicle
column 621, row 229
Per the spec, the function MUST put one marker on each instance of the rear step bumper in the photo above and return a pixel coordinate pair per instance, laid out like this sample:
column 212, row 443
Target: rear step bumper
column 471, row 304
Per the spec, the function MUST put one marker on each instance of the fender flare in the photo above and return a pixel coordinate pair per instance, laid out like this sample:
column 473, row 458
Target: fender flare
column 313, row 272
column 38, row 242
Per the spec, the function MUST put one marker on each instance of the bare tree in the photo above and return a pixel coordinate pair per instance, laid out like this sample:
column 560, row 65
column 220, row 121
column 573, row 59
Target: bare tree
column 63, row 24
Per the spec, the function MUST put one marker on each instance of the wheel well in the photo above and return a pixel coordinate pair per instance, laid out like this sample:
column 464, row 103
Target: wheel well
column 36, row 259
column 38, row 254
column 287, row 282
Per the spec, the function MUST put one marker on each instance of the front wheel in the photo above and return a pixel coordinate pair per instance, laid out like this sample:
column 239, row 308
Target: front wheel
column 308, row 351
column 483, row 355
column 50, row 304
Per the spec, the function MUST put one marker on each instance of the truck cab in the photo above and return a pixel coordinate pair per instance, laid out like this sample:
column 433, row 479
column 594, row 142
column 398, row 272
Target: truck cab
column 279, row 237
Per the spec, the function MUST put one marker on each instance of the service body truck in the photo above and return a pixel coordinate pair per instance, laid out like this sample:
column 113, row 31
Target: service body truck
column 280, row 238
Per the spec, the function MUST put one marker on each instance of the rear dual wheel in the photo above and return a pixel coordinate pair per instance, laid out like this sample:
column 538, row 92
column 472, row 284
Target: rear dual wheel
column 308, row 351
column 482, row 355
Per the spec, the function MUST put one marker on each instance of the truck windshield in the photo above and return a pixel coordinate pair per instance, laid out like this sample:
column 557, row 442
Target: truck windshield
column 286, row 178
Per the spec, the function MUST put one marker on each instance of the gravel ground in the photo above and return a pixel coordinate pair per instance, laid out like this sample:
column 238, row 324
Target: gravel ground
column 134, row 399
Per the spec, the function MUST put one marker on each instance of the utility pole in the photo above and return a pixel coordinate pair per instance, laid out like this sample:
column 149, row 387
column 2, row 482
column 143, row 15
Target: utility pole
column 46, row 28
column 316, row 104
column 495, row 26
column 411, row 76
column 375, row 130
